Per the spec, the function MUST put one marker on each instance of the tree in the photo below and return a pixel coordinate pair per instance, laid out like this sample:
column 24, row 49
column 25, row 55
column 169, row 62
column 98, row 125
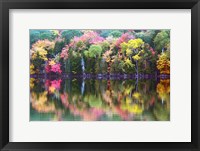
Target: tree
column 105, row 33
column 108, row 58
column 70, row 34
column 146, row 36
column 133, row 51
column 105, row 46
column 163, row 63
column 95, row 51
column 92, row 54
column 161, row 40
column 36, row 35
column 116, row 33
column 39, row 52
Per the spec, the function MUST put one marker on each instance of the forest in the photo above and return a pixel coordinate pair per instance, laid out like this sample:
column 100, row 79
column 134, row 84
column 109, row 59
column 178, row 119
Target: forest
column 100, row 52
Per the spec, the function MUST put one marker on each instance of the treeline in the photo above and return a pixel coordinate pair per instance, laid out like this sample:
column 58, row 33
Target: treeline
column 99, row 51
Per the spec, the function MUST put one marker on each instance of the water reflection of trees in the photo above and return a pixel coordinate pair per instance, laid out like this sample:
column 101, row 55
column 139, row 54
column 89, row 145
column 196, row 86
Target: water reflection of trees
column 100, row 99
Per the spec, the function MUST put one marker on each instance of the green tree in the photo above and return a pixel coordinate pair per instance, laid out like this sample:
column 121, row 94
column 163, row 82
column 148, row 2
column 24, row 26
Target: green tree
column 92, row 56
column 147, row 36
column 161, row 40
column 116, row 33
column 94, row 51
column 105, row 33
column 70, row 34
column 36, row 35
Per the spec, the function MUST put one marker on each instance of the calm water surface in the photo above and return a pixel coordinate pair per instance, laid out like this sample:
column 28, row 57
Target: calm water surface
column 99, row 100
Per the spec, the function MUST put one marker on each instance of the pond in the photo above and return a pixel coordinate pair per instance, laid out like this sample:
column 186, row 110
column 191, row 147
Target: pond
column 79, row 99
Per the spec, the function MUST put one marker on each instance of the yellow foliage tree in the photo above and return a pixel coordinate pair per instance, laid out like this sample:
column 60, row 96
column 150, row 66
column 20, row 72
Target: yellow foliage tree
column 40, row 48
column 133, row 49
column 163, row 64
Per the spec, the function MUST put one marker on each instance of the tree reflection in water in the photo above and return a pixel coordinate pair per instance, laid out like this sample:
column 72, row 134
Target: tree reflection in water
column 99, row 100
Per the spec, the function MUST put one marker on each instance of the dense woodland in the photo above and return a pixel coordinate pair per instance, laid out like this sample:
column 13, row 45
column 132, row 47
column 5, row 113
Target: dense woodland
column 96, row 52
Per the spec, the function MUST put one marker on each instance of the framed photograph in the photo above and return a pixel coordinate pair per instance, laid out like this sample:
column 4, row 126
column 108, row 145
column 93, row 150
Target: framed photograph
column 100, row 75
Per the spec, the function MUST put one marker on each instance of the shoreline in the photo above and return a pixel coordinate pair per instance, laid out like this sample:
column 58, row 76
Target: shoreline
column 102, row 76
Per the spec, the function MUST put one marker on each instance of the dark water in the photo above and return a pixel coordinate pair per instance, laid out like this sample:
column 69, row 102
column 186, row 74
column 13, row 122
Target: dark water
column 99, row 100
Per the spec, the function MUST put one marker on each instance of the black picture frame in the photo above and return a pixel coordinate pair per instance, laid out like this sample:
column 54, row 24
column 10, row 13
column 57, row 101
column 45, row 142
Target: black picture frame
column 5, row 5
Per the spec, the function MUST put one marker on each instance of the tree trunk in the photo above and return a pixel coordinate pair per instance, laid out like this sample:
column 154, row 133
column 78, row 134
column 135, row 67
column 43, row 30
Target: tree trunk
column 137, row 68
column 137, row 76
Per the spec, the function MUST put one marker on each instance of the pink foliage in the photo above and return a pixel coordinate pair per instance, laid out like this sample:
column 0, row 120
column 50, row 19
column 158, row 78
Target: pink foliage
column 152, row 51
column 54, row 68
column 96, row 40
column 124, row 38
column 64, row 54
column 90, row 37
